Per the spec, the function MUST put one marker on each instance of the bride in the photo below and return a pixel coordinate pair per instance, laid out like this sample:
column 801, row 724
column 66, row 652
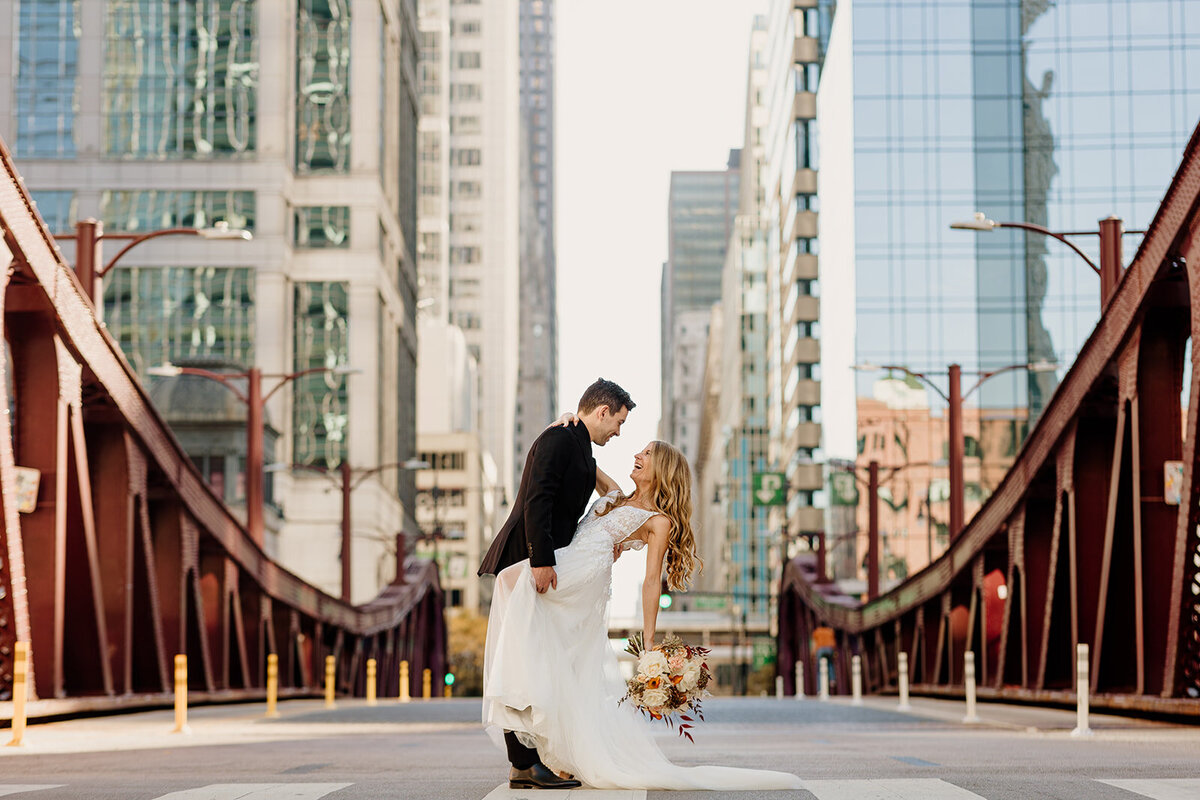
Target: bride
column 550, row 674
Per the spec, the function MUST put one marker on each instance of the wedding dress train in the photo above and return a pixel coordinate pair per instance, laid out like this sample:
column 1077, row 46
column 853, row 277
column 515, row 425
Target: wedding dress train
column 551, row 676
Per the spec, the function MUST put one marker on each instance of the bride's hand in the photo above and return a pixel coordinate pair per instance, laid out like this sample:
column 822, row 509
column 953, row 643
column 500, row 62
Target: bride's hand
column 565, row 420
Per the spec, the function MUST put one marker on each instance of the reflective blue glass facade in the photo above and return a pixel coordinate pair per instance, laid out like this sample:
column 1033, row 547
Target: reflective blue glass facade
column 1053, row 113
column 47, row 68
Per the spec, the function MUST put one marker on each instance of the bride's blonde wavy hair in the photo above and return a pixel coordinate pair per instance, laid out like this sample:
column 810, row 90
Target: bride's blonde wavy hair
column 670, row 494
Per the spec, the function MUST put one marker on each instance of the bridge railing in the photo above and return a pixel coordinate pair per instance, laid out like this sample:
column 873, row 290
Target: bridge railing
column 1078, row 543
column 123, row 556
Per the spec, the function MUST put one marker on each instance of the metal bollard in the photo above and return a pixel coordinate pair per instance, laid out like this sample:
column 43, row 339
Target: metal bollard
column 427, row 684
column 371, row 682
column 181, row 692
column 778, row 687
column 856, row 681
column 904, row 706
column 969, row 680
column 20, row 691
column 799, row 680
column 405, row 694
column 1082, row 689
column 272, row 684
column 330, row 677
column 822, row 679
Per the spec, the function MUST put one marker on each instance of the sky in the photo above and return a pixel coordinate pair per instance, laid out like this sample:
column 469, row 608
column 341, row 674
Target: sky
column 644, row 87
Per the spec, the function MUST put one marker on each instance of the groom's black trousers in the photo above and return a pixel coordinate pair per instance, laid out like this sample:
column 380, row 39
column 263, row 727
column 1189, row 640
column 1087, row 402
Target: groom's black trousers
column 520, row 756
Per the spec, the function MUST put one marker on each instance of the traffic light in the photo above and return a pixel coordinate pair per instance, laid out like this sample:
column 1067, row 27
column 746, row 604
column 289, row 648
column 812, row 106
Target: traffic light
column 664, row 597
column 449, row 678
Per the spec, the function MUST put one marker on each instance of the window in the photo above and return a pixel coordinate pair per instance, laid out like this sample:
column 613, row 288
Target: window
column 465, row 124
column 180, row 80
column 468, row 190
column 322, row 226
column 469, row 60
column 466, row 157
column 320, row 400
column 322, row 84
column 164, row 314
column 44, row 90
column 466, row 91
column 472, row 27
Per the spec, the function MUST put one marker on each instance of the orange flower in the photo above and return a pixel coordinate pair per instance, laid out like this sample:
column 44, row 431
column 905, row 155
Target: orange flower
column 675, row 679
column 654, row 683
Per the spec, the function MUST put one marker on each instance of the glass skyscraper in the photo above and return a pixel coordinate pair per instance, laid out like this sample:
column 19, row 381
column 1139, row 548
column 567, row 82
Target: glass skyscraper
column 1058, row 114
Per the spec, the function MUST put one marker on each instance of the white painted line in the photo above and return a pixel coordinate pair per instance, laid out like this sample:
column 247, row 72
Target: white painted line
column 502, row 792
column 1160, row 788
column 17, row 788
column 257, row 791
column 889, row 789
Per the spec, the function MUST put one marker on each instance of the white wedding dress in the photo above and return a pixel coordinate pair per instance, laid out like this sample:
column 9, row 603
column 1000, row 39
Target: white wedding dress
column 551, row 676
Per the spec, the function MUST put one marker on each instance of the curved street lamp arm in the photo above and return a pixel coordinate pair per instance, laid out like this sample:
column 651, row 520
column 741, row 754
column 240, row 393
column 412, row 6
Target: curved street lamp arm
column 985, row 376
column 363, row 474
column 286, row 379
column 919, row 376
column 1029, row 226
column 220, row 378
column 143, row 238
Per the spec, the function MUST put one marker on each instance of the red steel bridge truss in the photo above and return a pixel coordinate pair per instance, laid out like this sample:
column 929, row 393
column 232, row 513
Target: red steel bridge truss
column 128, row 557
column 1077, row 533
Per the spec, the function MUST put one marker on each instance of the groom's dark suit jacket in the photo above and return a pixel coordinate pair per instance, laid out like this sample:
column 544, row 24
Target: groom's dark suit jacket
column 557, row 481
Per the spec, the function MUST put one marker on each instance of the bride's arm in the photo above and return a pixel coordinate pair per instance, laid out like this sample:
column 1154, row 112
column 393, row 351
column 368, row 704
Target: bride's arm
column 656, row 554
column 604, row 484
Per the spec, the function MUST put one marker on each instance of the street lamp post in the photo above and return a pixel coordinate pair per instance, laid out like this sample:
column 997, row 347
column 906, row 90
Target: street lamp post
column 954, row 398
column 349, row 479
column 1110, row 231
column 255, row 401
column 89, row 234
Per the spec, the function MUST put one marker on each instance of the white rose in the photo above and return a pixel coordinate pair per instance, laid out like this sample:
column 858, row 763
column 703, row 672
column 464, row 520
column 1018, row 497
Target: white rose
column 653, row 698
column 652, row 664
column 691, row 676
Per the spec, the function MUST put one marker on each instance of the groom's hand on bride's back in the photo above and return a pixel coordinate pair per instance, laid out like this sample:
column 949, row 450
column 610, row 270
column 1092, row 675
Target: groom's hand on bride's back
column 544, row 578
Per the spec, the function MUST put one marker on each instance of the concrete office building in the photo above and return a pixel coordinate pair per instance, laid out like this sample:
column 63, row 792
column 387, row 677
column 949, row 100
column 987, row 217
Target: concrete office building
column 295, row 120
column 470, row 179
column 794, row 343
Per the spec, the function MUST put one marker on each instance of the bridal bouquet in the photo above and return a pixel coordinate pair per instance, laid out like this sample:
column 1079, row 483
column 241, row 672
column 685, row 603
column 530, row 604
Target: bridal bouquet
column 671, row 680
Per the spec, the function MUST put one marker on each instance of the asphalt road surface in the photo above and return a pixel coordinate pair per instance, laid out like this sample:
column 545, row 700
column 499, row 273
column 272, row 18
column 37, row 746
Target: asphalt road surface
column 437, row 750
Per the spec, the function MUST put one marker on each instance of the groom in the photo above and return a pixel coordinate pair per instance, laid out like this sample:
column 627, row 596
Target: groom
column 558, row 479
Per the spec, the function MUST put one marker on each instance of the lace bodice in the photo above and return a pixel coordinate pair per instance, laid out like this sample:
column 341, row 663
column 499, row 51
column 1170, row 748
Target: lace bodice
column 602, row 532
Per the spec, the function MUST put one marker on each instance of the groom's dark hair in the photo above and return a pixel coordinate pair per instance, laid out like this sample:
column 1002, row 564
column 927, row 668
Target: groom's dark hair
column 605, row 393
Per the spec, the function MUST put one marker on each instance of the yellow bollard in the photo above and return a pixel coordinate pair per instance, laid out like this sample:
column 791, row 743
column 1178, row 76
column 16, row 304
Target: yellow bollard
column 272, row 684
column 426, row 684
column 181, row 692
column 20, row 690
column 370, row 681
column 449, row 692
column 330, row 675
column 405, row 695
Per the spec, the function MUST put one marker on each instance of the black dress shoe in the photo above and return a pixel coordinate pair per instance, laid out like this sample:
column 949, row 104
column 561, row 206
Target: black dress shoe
column 538, row 776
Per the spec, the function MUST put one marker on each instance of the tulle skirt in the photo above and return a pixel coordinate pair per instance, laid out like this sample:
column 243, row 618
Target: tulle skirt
column 551, row 676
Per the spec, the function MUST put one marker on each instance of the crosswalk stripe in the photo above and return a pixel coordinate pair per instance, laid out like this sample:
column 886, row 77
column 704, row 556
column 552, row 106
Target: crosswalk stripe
column 1159, row 788
column 17, row 788
column 889, row 789
column 257, row 791
column 502, row 792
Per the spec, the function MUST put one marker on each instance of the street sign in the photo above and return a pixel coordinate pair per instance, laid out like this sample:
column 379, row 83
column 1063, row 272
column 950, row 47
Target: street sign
column 843, row 491
column 769, row 489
